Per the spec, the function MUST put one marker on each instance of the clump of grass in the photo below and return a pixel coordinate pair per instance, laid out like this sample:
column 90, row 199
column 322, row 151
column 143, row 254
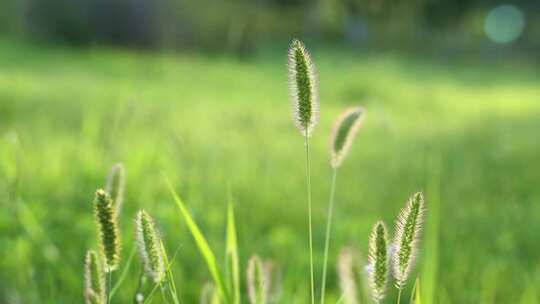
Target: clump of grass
column 115, row 185
column 341, row 139
column 149, row 245
column 303, row 84
column 304, row 94
column 407, row 236
column 108, row 232
column 94, row 281
column 378, row 261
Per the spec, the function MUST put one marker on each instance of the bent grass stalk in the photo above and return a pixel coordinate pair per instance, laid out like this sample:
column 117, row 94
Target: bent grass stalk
column 303, row 87
column 341, row 139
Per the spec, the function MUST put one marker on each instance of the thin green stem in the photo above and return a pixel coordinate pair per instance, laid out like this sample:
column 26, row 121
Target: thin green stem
column 399, row 296
column 328, row 228
column 124, row 272
column 308, row 176
column 163, row 294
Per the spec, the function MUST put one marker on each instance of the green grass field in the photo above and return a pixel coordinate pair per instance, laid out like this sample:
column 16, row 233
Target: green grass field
column 467, row 134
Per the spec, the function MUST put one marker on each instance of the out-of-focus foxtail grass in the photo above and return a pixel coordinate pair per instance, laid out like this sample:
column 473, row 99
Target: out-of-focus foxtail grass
column 343, row 134
column 341, row 139
column 94, row 281
column 115, row 185
column 257, row 281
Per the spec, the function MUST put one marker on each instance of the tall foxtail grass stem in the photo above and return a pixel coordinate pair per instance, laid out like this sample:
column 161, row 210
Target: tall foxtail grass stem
column 399, row 296
column 328, row 228
column 308, row 177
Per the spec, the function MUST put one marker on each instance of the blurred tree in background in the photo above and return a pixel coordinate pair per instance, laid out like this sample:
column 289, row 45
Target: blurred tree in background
column 241, row 25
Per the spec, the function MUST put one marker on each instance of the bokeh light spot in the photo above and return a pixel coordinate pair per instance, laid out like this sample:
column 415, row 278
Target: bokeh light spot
column 504, row 23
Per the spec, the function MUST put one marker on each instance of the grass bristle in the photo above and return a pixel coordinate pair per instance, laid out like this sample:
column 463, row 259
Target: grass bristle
column 115, row 185
column 94, row 281
column 343, row 133
column 149, row 245
column 108, row 232
column 303, row 84
column 378, row 261
column 407, row 236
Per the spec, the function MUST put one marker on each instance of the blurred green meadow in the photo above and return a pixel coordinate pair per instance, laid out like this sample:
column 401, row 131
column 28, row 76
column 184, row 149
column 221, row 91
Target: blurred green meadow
column 467, row 133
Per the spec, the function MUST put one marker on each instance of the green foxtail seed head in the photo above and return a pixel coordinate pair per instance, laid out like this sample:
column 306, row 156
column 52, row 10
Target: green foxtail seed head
column 115, row 185
column 347, row 277
column 303, row 87
column 258, row 281
column 343, row 134
column 94, row 281
column 378, row 261
column 407, row 236
column 108, row 232
column 209, row 294
column 149, row 245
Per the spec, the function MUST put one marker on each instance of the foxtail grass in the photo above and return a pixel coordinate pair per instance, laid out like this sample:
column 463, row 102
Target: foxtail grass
column 115, row 185
column 347, row 277
column 108, row 232
column 407, row 236
column 149, row 246
column 303, row 87
column 378, row 261
column 341, row 139
column 94, row 281
column 257, row 281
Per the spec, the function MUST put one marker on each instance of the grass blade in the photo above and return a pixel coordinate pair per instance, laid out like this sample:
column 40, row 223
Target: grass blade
column 232, row 263
column 202, row 244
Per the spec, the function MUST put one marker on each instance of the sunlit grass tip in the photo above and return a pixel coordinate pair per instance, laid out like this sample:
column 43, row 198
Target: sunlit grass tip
column 378, row 261
column 115, row 185
column 303, row 88
column 407, row 235
column 94, row 280
column 258, row 281
column 108, row 232
column 149, row 246
column 343, row 133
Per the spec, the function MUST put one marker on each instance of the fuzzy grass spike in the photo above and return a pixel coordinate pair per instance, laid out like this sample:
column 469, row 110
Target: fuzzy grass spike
column 149, row 245
column 108, row 232
column 258, row 281
column 378, row 261
column 115, row 185
column 407, row 236
column 303, row 84
column 94, row 281
column 343, row 134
